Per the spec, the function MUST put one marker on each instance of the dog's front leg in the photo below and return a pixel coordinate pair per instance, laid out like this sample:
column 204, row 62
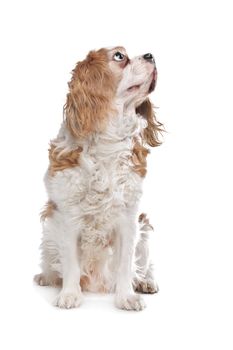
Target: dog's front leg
column 125, row 297
column 70, row 295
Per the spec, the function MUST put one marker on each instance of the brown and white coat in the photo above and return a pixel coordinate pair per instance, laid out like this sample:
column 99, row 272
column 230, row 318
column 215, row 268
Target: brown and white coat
column 94, row 182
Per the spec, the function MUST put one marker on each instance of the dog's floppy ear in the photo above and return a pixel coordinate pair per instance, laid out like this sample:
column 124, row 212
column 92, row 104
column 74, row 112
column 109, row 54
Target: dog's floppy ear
column 154, row 127
column 90, row 96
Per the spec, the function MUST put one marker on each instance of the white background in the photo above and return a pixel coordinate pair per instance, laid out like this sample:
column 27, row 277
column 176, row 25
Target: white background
column 188, row 191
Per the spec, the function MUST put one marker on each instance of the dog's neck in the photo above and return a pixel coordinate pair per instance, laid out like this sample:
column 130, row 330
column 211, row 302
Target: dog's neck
column 119, row 134
column 117, row 140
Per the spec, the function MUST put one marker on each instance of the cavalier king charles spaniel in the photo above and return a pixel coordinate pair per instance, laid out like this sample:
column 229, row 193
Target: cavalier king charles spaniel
column 93, row 239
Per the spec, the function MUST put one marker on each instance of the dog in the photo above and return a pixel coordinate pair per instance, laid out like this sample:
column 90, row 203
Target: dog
column 93, row 239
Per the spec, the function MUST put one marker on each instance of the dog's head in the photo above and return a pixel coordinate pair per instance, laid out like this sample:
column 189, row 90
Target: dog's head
column 107, row 82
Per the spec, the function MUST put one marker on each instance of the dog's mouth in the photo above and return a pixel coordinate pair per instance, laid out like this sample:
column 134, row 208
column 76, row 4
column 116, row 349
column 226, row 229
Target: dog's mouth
column 153, row 78
column 134, row 88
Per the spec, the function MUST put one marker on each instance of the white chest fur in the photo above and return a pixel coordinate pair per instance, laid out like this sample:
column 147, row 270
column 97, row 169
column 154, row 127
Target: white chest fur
column 104, row 181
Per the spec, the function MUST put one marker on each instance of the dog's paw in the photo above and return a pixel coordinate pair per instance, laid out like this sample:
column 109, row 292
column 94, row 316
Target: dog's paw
column 48, row 280
column 68, row 300
column 41, row 280
column 148, row 286
column 130, row 302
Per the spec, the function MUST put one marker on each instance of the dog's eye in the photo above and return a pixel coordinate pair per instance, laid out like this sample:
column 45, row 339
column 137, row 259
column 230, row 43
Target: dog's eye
column 118, row 56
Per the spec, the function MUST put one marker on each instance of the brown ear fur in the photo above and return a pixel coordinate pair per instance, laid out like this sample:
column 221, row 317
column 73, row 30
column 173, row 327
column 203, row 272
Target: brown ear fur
column 92, row 88
column 154, row 128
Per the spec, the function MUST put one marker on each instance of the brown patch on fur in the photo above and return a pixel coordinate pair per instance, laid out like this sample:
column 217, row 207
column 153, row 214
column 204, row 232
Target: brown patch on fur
column 86, row 283
column 142, row 218
column 92, row 89
column 150, row 133
column 139, row 159
column 60, row 160
column 48, row 210
column 145, row 223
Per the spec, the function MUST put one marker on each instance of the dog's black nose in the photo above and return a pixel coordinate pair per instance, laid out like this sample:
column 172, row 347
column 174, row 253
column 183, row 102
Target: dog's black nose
column 149, row 57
